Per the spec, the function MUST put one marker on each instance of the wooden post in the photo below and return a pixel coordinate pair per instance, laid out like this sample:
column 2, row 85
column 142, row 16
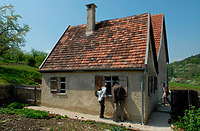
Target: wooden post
column 35, row 102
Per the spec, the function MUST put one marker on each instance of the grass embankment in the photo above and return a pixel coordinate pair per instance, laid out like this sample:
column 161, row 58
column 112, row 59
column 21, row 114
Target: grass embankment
column 180, row 86
column 18, row 73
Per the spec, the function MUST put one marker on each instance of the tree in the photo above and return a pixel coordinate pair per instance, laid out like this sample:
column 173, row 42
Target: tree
column 11, row 32
column 36, row 58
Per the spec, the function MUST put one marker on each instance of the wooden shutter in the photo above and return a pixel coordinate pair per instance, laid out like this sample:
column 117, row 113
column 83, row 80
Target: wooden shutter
column 149, row 85
column 123, row 81
column 152, row 84
column 98, row 82
column 54, row 84
column 155, row 84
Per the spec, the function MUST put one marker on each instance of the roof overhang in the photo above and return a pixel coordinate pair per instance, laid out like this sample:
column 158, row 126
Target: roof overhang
column 90, row 70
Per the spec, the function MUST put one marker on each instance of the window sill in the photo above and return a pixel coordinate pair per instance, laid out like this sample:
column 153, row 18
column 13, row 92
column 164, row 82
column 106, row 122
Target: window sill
column 108, row 95
column 61, row 94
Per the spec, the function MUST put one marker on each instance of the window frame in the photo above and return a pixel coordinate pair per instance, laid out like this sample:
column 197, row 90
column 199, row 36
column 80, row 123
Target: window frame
column 58, row 83
column 152, row 85
column 112, row 83
column 122, row 80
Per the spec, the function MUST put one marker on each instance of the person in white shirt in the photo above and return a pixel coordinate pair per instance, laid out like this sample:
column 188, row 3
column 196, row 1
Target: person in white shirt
column 101, row 98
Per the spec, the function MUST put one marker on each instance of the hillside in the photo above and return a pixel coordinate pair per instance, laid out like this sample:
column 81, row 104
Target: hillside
column 18, row 73
column 186, row 71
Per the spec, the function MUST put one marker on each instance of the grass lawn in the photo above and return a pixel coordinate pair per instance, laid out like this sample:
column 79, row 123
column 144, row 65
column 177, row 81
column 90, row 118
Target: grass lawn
column 18, row 74
column 179, row 86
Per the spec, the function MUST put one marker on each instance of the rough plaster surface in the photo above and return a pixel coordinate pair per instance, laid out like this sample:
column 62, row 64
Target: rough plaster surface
column 80, row 96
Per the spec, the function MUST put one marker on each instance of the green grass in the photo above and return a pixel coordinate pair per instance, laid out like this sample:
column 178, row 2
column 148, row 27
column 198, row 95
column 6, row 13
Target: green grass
column 180, row 86
column 13, row 73
column 18, row 109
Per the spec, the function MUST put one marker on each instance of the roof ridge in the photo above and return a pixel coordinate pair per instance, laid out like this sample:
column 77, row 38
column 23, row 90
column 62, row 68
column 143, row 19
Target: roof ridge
column 157, row 14
column 108, row 20
column 123, row 17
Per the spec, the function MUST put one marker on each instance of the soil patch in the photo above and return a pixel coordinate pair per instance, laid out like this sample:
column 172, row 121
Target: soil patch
column 20, row 123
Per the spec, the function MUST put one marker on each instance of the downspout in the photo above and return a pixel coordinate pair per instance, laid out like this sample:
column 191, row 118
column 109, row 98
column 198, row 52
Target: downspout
column 142, row 90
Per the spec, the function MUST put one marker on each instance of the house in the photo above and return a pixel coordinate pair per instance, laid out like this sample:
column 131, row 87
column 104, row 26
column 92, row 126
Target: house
column 160, row 38
column 119, row 50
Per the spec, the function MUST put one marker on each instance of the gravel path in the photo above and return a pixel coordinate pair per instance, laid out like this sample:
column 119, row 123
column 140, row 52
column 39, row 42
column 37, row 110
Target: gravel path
column 157, row 122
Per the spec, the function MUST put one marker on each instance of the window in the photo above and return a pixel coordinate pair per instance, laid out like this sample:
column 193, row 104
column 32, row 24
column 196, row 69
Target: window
column 152, row 85
column 58, row 85
column 111, row 80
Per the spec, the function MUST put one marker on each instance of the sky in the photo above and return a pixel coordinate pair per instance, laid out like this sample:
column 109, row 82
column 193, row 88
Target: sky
column 48, row 20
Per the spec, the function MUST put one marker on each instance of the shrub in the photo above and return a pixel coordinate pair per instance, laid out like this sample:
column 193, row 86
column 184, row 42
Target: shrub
column 36, row 114
column 15, row 105
column 17, row 108
column 117, row 129
column 190, row 121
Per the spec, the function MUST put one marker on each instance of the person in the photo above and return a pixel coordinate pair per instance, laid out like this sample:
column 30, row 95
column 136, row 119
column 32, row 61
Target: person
column 101, row 98
column 165, row 94
column 118, row 97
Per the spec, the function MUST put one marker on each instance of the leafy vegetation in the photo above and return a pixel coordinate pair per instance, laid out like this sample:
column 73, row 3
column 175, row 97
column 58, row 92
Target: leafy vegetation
column 13, row 73
column 186, row 71
column 18, row 109
column 180, row 86
column 11, row 32
column 190, row 121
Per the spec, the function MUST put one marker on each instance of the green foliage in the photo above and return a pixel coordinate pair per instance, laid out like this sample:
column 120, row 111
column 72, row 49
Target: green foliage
column 61, row 117
column 11, row 32
column 117, row 129
column 190, row 121
column 30, row 113
column 15, row 105
column 36, row 58
column 180, row 86
column 18, row 74
column 186, row 71
column 17, row 108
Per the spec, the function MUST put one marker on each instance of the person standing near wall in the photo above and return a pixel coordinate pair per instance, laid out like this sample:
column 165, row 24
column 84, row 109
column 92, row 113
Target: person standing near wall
column 118, row 93
column 165, row 94
column 101, row 98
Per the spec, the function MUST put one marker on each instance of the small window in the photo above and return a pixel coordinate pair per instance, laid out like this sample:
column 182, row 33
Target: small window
column 155, row 84
column 152, row 85
column 58, row 85
column 62, row 85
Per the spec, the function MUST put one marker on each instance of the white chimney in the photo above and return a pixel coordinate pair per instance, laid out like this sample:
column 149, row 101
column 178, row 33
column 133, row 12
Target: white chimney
column 90, row 18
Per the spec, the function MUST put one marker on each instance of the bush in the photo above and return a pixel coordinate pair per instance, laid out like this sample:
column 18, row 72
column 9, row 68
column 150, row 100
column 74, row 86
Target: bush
column 190, row 121
column 36, row 114
column 15, row 105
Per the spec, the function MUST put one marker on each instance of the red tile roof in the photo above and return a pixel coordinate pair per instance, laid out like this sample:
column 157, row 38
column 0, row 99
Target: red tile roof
column 157, row 24
column 119, row 43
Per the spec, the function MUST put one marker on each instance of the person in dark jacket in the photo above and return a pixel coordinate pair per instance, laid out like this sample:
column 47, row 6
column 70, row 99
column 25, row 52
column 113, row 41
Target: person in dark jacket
column 118, row 93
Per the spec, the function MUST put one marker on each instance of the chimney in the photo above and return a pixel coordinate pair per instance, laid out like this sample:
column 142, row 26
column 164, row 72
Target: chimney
column 90, row 18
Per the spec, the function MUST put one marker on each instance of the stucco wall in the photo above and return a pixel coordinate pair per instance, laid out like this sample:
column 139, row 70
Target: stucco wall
column 150, row 102
column 162, row 75
column 80, row 87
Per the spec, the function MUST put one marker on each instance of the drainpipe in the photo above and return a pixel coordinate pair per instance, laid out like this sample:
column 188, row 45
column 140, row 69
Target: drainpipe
column 142, row 90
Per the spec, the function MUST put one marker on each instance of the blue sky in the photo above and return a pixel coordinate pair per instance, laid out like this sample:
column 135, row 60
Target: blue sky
column 49, row 19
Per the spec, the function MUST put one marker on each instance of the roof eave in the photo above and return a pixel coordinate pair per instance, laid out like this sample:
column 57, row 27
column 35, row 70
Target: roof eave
column 93, row 69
